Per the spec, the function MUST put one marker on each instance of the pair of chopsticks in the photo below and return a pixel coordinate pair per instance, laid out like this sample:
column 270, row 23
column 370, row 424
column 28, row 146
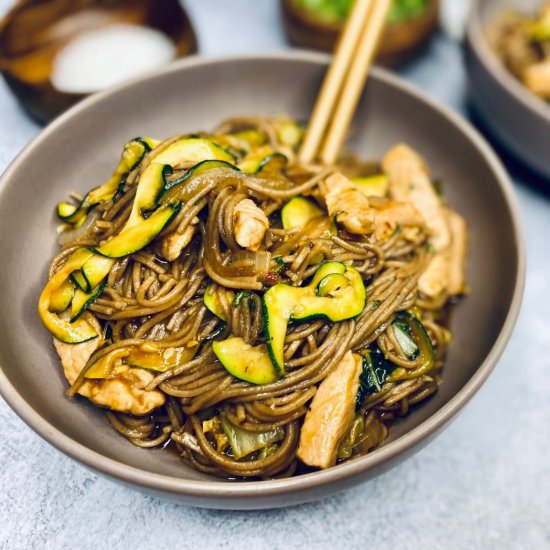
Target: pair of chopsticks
column 344, row 82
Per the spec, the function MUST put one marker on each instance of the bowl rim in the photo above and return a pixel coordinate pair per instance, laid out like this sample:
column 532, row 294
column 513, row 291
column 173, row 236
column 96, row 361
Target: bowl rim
column 222, row 490
column 476, row 38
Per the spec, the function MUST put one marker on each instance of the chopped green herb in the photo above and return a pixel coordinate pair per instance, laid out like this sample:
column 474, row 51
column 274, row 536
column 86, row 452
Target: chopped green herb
column 375, row 304
column 244, row 294
column 281, row 262
column 431, row 248
column 397, row 230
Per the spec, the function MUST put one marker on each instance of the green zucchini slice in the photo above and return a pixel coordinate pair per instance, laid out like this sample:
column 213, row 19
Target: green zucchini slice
column 61, row 298
column 263, row 160
column 160, row 360
column 132, row 239
column 328, row 268
column 251, row 364
column 192, row 150
column 96, row 269
column 251, row 139
column 372, row 186
column 151, row 183
column 299, row 211
column 241, row 142
column 101, row 368
column 65, row 210
column 80, row 281
column 289, row 133
column 212, row 301
column 175, row 189
column 332, row 284
column 336, row 293
column 132, row 154
column 83, row 300
column 274, row 163
column 70, row 333
column 62, row 329
column 308, row 216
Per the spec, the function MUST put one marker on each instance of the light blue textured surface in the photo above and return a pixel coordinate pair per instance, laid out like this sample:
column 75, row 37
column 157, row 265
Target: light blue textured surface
column 484, row 483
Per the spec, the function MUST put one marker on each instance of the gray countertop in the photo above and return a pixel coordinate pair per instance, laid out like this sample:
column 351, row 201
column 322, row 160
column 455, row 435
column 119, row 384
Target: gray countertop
column 484, row 483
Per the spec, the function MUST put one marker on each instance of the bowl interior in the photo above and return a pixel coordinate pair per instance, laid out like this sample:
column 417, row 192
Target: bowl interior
column 79, row 150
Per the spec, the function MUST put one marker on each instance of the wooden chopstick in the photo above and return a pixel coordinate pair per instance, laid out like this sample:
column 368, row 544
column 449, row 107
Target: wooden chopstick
column 344, row 82
column 334, row 79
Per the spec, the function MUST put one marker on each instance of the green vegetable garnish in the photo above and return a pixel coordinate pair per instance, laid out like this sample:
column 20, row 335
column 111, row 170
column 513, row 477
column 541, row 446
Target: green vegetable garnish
column 331, row 11
column 376, row 370
column 425, row 352
column 336, row 11
column 245, row 362
column 404, row 10
column 240, row 296
column 415, row 343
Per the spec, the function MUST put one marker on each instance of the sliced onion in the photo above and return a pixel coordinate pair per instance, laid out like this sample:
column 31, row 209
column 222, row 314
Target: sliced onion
column 263, row 260
column 69, row 235
column 257, row 262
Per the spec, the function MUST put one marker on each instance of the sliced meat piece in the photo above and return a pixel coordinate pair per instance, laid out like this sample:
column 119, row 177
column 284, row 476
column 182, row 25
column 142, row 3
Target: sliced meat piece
column 446, row 270
column 251, row 223
column 537, row 78
column 390, row 214
column 123, row 392
column 173, row 245
column 435, row 279
column 410, row 182
column 348, row 205
column 331, row 414
column 75, row 356
column 457, row 254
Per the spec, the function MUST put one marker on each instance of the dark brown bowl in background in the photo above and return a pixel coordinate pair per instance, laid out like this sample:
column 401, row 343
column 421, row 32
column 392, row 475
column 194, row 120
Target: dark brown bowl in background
column 197, row 94
column 34, row 31
column 399, row 42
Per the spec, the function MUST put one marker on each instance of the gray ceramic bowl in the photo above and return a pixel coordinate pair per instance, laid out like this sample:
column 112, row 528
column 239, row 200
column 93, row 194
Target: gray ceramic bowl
column 515, row 117
column 78, row 150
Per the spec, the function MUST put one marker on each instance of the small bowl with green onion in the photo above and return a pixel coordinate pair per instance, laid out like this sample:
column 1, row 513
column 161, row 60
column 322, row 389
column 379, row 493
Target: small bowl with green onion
column 316, row 24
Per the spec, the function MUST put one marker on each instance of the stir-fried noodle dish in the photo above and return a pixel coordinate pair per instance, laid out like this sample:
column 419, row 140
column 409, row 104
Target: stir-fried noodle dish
column 522, row 42
column 260, row 316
